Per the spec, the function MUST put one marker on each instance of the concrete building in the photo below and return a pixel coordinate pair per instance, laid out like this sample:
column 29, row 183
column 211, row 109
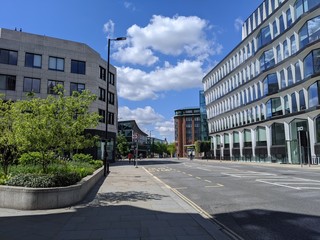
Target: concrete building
column 262, row 99
column 34, row 63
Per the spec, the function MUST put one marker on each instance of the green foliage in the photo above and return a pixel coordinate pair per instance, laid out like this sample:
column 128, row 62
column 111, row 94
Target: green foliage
column 171, row 148
column 122, row 145
column 197, row 146
column 3, row 179
column 80, row 157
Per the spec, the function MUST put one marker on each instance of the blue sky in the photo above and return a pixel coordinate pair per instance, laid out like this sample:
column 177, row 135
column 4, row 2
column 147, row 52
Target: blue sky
column 170, row 46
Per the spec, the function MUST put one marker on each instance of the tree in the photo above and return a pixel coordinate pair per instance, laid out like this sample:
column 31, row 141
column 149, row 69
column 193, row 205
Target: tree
column 171, row 148
column 56, row 124
column 122, row 145
column 8, row 137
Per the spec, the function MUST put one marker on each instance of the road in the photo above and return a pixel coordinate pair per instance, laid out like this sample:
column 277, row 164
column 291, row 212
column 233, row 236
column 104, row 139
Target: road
column 255, row 201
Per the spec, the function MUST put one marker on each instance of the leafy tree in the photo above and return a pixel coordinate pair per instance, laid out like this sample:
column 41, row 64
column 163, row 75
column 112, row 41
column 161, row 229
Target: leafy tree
column 197, row 146
column 171, row 148
column 56, row 123
column 122, row 145
column 8, row 138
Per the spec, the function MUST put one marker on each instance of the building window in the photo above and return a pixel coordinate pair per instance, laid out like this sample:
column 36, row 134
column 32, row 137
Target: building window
column 302, row 100
column 102, row 114
column 111, row 118
column 289, row 18
column 297, row 72
column 267, row 60
column 312, row 63
column 236, row 143
column 302, row 6
column 111, row 98
column 111, row 78
column 286, row 105
column 279, row 54
column 261, row 136
column 313, row 93
column 318, row 129
column 294, row 103
column 8, row 57
column 290, row 76
column 247, row 138
column 78, row 67
column 274, row 107
column 102, row 73
column 56, row 63
column 226, row 141
column 282, row 79
column 281, row 24
column 270, row 84
column 278, row 134
column 33, row 60
column 293, row 44
column 309, row 32
column 275, row 29
column 7, row 82
column 264, row 37
column 31, row 85
column 102, row 94
column 76, row 87
column 285, row 49
column 51, row 86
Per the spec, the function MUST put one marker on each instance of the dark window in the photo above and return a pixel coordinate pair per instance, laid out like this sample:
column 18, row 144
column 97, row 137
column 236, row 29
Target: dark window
column 111, row 98
column 7, row 82
column 289, row 18
column 261, row 136
column 76, row 87
column 281, row 24
column 275, row 29
column 102, row 113
column 297, row 72
column 267, row 60
column 278, row 134
column 56, row 63
column 309, row 32
column 111, row 118
column 102, row 94
column 302, row 100
column 51, row 86
column 111, row 78
column 313, row 93
column 102, row 73
column 264, row 37
column 270, row 84
column 290, row 76
column 31, row 85
column 294, row 102
column 318, row 129
column 33, row 60
column 8, row 57
column 78, row 67
column 274, row 107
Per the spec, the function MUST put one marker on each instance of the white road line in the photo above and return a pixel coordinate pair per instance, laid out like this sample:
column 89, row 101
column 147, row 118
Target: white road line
column 208, row 181
column 204, row 169
column 198, row 177
column 181, row 188
column 280, row 185
column 215, row 186
column 190, row 175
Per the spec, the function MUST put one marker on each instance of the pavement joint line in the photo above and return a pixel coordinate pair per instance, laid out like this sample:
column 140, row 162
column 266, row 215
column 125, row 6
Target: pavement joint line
column 202, row 212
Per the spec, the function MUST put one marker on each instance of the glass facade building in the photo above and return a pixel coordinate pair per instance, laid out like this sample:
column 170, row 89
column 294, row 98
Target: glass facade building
column 262, row 99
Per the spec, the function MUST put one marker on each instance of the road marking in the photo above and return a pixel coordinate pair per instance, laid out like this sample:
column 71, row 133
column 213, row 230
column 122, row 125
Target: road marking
column 204, row 169
column 190, row 175
column 180, row 188
column 280, row 185
column 215, row 186
column 198, row 177
column 208, row 181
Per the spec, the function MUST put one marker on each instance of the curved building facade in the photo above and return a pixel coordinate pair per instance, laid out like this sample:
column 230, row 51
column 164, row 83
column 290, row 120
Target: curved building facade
column 35, row 63
column 263, row 98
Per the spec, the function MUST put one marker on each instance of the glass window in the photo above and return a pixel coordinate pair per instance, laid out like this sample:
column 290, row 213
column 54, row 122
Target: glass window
column 279, row 54
column 274, row 107
column 7, row 82
column 283, row 79
column 270, row 84
column 111, row 118
column 281, row 24
column 31, row 85
column 278, row 134
column 302, row 100
column 8, row 57
column 309, row 32
column 261, row 136
column 102, row 73
column 102, row 114
column 76, row 87
column 111, row 98
column 275, row 29
column 286, row 105
column 247, row 138
column 33, row 60
column 313, row 93
column 318, row 129
column 297, row 72
column 102, row 94
column 294, row 103
column 293, row 44
column 298, row 7
column 51, row 86
column 78, row 67
column 264, row 37
column 56, row 63
column 111, row 78
column 289, row 17
column 311, row 63
column 290, row 76
column 236, row 143
column 285, row 49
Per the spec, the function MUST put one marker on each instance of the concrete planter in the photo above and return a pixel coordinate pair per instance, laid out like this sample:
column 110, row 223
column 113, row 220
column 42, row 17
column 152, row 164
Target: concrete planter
column 24, row 198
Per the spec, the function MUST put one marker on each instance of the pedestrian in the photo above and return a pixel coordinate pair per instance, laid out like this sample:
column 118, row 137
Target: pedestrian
column 129, row 157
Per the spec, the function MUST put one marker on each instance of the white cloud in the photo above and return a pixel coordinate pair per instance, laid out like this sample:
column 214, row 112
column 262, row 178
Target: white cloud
column 129, row 5
column 135, row 84
column 109, row 28
column 170, row 36
column 238, row 24
column 165, row 129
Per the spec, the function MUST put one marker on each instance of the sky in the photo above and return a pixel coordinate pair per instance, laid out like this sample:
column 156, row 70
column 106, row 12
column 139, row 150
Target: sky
column 171, row 45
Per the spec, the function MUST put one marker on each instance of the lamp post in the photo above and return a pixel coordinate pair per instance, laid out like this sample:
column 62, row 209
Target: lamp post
column 106, row 163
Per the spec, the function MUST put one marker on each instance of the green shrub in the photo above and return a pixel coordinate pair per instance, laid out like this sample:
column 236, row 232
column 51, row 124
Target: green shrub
column 80, row 157
column 30, row 158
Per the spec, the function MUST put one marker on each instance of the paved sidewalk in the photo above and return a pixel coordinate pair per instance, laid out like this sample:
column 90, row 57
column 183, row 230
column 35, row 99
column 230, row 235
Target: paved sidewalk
column 129, row 204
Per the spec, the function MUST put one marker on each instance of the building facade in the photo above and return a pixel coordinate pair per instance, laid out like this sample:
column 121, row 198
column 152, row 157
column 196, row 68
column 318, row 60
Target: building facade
column 262, row 99
column 187, row 124
column 34, row 63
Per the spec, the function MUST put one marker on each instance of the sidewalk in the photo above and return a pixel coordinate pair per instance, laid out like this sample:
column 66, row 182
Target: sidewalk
column 129, row 204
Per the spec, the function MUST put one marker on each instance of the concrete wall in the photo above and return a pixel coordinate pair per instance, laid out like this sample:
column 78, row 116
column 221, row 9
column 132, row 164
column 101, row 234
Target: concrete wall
column 46, row 198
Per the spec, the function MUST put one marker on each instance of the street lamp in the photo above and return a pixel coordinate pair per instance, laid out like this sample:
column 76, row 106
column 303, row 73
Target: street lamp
column 106, row 163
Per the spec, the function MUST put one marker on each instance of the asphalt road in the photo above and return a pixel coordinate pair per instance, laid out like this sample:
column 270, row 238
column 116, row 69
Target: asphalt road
column 255, row 201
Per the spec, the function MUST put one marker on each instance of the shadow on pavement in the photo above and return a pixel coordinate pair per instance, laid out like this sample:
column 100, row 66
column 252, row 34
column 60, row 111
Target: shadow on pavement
column 144, row 162
column 269, row 225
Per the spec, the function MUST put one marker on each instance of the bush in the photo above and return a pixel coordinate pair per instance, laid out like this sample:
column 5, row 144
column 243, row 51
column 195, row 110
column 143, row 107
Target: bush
column 44, row 181
column 30, row 158
column 80, row 157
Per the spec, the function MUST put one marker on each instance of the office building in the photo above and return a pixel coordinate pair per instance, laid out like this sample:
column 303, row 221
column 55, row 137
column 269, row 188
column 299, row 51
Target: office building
column 36, row 63
column 262, row 99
